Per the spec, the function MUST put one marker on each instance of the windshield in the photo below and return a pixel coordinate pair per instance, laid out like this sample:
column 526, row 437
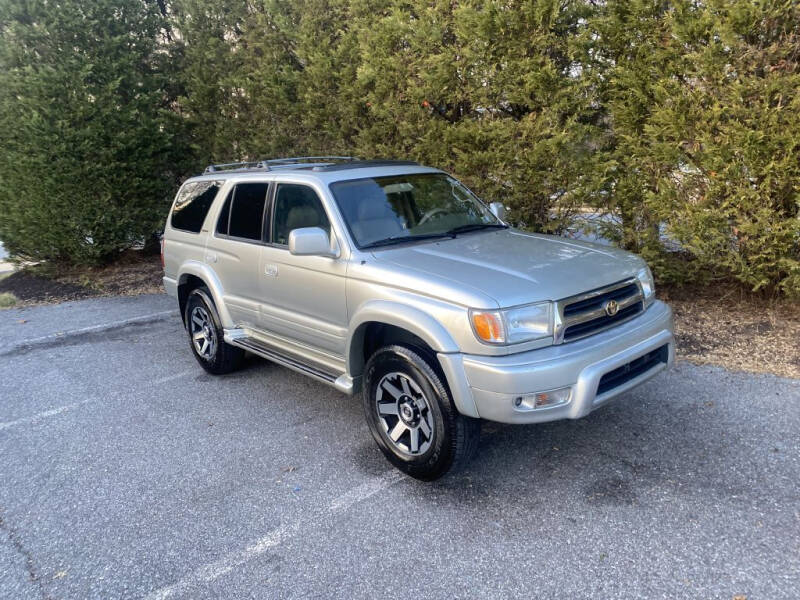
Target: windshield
column 384, row 210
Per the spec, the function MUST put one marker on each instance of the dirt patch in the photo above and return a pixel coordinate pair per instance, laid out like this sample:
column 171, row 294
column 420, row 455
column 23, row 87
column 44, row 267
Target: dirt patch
column 693, row 345
column 741, row 331
column 30, row 289
column 134, row 273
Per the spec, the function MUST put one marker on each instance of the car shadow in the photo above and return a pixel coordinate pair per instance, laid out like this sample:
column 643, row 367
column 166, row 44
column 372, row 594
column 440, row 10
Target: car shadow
column 655, row 440
column 631, row 452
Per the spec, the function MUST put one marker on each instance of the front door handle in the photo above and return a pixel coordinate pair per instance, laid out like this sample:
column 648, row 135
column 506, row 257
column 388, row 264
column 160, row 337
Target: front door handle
column 211, row 258
column 271, row 270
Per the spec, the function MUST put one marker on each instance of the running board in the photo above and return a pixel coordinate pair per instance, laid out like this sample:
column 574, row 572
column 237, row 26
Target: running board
column 343, row 383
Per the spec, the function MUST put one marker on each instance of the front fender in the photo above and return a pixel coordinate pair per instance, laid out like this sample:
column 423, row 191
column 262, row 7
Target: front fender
column 421, row 324
column 209, row 277
column 400, row 315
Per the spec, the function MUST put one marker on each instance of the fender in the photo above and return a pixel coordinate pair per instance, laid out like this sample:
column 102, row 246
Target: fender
column 424, row 327
column 207, row 274
column 400, row 315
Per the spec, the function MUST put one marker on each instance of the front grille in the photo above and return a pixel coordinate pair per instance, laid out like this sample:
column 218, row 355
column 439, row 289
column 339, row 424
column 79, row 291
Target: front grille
column 586, row 314
column 633, row 369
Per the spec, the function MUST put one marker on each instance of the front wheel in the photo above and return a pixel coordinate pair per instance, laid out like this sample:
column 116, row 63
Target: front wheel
column 412, row 417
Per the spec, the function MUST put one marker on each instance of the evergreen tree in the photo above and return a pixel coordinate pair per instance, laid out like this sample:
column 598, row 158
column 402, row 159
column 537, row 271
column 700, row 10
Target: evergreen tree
column 487, row 90
column 676, row 116
column 268, row 78
column 703, row 102
column 90, row 148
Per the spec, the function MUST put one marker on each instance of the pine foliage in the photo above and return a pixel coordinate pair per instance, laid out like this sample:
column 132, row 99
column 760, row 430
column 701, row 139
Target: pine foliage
column 90, row 144
column 678, row 118
column 703, row 106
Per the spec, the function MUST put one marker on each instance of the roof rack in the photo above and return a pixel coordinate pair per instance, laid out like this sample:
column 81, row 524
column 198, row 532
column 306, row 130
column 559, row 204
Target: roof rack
column 359, row 164
column 240, row 166
column 265, row 164
column 301, row 159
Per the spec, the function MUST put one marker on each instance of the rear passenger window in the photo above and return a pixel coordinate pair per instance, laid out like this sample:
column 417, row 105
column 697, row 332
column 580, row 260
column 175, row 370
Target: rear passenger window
column 192, row 204
column 296, row 206
column 247, row 210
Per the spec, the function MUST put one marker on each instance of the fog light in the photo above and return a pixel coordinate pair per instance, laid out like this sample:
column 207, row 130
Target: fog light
column 539, row 400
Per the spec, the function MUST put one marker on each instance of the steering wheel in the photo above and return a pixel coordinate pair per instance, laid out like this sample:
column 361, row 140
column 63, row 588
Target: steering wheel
column 432, row 213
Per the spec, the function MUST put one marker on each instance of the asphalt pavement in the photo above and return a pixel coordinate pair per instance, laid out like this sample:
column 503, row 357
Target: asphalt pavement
column 127, row 472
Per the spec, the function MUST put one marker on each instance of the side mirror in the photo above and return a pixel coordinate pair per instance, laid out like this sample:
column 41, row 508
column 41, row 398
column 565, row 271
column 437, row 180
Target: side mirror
column 312, row 241
column 498, row 210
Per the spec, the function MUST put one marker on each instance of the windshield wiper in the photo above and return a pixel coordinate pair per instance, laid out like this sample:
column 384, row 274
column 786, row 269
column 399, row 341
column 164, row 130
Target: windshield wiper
column 399, row 239
column 475, row 227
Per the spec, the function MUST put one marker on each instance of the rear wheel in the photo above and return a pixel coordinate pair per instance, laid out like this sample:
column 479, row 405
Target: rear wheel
column 412, row 417
column 206, row 335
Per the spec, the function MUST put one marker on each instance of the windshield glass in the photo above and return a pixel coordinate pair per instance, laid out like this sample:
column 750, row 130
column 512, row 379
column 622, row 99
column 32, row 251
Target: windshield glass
column 383, row 210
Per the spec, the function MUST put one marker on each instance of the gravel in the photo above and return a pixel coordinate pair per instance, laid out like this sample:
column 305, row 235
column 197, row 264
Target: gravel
column 128, row 472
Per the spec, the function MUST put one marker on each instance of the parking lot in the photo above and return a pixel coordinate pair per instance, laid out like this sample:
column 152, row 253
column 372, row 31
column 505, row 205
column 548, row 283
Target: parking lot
column 127, row 472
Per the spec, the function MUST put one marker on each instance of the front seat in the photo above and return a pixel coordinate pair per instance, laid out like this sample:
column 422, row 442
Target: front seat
column 303, row 216
column 376, row 220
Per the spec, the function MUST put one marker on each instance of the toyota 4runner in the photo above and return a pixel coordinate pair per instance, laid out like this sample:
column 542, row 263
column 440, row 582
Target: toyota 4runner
column 393, row 279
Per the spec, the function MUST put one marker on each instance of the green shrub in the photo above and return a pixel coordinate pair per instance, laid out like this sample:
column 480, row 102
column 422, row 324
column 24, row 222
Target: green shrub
column 703, row 104
column 7, row 300
column 487, row 91
column 679, row 118
column 89, row 140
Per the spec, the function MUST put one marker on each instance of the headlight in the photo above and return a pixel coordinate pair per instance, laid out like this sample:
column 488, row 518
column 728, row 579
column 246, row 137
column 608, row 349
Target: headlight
column 645, row 278
column 530, row 322
column 513, row 325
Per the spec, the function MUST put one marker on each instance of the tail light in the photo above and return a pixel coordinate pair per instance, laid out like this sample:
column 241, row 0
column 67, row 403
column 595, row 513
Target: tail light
column 163, row 265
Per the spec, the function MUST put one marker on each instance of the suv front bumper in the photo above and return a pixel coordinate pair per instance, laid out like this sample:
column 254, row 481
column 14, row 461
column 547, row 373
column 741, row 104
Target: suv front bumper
column 488, row 386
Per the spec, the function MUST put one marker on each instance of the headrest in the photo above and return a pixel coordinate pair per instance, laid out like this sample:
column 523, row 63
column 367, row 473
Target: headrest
column 302, row 216
column 375, row 208
column 363, row 199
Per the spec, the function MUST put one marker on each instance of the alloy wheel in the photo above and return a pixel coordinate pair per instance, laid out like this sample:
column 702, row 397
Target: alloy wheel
column 204, row 334
column 404, row 413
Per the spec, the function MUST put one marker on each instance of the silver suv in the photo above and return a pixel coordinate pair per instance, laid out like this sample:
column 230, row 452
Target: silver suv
column 393, row 279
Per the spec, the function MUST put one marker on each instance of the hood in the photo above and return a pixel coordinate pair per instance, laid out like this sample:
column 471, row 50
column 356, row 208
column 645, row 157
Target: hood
column 513, row 267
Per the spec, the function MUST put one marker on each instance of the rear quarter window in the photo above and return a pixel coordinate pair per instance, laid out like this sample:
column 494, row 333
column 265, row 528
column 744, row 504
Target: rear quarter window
column 192, row 205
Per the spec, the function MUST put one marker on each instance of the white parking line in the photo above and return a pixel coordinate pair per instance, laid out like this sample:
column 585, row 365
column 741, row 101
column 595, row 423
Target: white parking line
column 364, row 491
column 43, row 415
column 62, row 409
column 216, row 569
column 195, row 371
column 212, row 571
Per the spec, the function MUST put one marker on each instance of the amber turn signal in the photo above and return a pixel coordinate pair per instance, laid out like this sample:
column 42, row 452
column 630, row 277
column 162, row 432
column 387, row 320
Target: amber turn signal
column 488, row 327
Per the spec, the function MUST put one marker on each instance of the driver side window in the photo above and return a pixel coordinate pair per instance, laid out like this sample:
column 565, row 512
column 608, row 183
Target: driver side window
column 296, row 206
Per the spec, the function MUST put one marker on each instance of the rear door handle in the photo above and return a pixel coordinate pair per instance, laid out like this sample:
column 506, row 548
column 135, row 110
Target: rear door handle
column 211, row 258
column 271, row 270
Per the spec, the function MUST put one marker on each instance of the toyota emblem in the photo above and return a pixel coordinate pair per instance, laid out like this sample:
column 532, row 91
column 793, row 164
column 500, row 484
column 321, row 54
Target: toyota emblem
column 611, row 307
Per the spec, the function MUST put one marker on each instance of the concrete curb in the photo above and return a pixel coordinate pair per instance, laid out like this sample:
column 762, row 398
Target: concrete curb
column 65, row 335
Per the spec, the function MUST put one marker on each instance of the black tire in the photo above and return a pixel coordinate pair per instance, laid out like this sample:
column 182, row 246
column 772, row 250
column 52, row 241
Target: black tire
column 220, row 358
column 454, row 437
